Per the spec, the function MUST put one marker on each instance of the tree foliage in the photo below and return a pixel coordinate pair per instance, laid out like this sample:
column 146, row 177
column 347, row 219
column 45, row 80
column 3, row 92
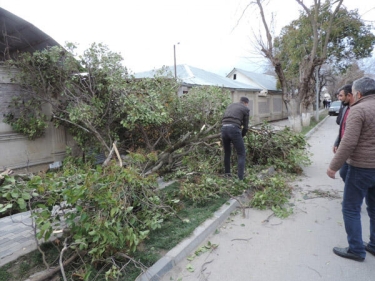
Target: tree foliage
column 324, row 32
column 93, row 95
column 337, row 80
column 105, row 212
column 350, row 39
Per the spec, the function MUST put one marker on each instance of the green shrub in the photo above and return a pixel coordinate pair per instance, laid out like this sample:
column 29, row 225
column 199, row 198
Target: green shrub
column 283, row 149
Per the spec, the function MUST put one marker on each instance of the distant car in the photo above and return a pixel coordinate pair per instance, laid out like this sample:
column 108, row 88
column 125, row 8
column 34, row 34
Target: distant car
column 334, row 108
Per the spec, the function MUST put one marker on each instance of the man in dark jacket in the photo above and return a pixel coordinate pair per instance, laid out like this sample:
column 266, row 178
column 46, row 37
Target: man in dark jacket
column 234, row 127
column 340, row 97
column 347, row 99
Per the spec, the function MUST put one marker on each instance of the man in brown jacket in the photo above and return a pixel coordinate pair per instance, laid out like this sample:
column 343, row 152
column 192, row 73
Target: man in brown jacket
column 357, row 148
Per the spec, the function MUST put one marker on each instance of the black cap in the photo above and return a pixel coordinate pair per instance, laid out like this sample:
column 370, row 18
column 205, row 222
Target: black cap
column 244, row 99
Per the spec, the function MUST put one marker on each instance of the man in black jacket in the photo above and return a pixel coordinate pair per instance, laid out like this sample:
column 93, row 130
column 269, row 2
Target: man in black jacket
column 346, row 96
column 234, row 127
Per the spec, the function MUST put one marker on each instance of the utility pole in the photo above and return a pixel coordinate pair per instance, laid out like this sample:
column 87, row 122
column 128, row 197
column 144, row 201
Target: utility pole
column 174, row 53
column 317, row 94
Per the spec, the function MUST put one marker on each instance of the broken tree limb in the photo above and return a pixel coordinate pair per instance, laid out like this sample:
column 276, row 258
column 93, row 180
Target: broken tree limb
column 117, row 153
column 47, row 274
column 5, row 173
column 173, row 154
column 61, row 263
column 109, row 157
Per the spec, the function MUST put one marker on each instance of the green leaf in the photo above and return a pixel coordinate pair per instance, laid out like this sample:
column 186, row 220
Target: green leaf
column 46, row 226
column 14, row 194
column 3, row 209
column 190, row 268
column 21, row 203
column 8, row 186
column 113, row 212
column 26, row 196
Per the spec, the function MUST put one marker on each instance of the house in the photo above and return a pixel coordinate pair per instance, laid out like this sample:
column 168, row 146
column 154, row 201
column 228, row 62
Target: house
column 17, row 152
column 270, row 105
column 265, row 101
column 264, row 81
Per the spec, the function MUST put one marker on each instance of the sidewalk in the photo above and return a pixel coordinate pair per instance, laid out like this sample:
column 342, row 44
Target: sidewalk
column 16, row 237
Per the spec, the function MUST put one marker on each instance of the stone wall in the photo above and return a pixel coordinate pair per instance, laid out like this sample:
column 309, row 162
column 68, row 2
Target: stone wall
column 16, row 151
column 268, row 107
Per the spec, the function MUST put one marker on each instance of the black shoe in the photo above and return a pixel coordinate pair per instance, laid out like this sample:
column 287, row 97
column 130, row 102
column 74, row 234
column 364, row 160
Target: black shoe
column 345, row 253
column 368, row 248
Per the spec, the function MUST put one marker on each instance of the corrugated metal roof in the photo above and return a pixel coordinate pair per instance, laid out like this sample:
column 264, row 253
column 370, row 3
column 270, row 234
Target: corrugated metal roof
column 265, row 81
column 18, row 35
column 195, row 76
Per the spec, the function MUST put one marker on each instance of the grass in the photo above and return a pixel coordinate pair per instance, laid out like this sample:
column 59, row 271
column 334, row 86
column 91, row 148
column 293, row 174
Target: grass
column 29, row 264
column 313, row 122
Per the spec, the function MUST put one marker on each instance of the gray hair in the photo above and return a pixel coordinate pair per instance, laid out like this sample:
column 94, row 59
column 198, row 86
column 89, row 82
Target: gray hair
column 364, row 85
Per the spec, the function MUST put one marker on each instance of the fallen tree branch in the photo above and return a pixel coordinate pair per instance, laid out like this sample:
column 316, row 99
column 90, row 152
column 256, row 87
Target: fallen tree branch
column 61, row 259
column 117, row 153
column 268, row 219
column 106, row 162
column 47, row 274
column 5, row 173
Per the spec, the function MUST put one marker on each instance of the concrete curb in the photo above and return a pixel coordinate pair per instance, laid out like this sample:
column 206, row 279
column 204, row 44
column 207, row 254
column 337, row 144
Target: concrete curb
column 184, row 248
column 309, row 133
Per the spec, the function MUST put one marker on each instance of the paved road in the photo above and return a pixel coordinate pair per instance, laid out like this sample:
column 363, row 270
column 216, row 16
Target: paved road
column 259, row 247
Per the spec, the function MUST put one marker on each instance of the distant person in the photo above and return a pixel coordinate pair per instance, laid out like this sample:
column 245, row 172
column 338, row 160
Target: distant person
column 324, row 103
column 347, row 99
column 328, row 103
column 357, row 149
column 234, row 127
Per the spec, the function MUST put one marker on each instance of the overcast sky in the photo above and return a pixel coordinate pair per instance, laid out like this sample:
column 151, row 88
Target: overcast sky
column 209, row 33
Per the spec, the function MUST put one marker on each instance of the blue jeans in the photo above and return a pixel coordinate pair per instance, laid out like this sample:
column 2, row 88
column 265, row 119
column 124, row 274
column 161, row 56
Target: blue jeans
column 343, row 171
column 359, row 184
column 229, row 135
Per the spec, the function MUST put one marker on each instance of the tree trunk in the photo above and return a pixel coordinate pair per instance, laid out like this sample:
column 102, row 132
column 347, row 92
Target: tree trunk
column 294, row 115
column 311, row 60
column 306, row 114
